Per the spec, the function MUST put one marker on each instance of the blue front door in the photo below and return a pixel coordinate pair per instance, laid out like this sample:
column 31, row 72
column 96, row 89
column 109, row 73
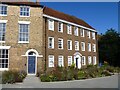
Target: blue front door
column 31, row 64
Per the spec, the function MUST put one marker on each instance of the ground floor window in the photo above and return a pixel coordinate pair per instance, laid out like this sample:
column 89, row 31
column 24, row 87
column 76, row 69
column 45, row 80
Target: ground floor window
column 60, row 61
column 4, row 57
column 51, row 60
column 83, row 60
column 69, row 60
column 94, row 60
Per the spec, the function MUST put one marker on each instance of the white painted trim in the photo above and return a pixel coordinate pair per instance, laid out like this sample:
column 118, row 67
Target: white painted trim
column 5, row 47
column 4, row 69
column 3, row 21
column 24, row 42
column 78, row 62
column 24, row 22
column 68, row 22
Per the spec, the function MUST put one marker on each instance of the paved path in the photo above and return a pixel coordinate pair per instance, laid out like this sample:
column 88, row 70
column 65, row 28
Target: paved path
column 33, row 82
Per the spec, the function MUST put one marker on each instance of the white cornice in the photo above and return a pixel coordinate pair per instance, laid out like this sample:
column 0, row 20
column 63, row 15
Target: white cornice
column 68, row 22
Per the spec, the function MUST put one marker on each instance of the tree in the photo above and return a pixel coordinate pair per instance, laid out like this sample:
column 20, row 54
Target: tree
column 109, row 47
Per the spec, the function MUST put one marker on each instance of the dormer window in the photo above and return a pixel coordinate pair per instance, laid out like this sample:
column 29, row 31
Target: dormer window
column 3, row 10
column 24, row 11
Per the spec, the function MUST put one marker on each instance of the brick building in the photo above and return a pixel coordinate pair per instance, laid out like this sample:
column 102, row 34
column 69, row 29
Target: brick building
column 36, row 38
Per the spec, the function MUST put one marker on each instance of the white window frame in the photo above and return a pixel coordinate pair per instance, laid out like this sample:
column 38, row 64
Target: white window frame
column 82, row 46
column 93, row 35
column 94, row 47
column 51, row 24
column 1, row 10
column 76, row 31
column 25, row 11
column 24, row 23
column 77, row 45
column 3, row 22
column 82, row 32
column 60, row 27
column 69, row 29
column 89, row 60
column 69, row 60
column 61, row 43
column 89, row 47
column 94, row 60
column 61, row 59
column 49, row 61
column 7, row 48
column 88, row 34
column 83, row 60
column 70, row 44
column 52, row 42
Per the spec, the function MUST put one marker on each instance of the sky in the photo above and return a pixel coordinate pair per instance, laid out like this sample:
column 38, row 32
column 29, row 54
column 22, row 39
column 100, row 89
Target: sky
column 100, row 15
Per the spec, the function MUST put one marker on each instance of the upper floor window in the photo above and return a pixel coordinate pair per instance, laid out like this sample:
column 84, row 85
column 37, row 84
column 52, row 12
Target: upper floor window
column 69, row 29
column 60, row 43
column 60, row 61
column 69, row 60
column 93, row 35
column 50, row 42
column 51, row 61
column 83, row 46
column 76, row 31
column 76, row 45
column 60, row 27
column 89, row 47
column 69, row 44
column 2, row 31
column 94, row 47
column 88, row 34
column 89, row 60
column 3, row 10
column 82, row 32
column 24, row 11
column 83, row 60
column 23, row 33
column 51, row 24
column 94, row 60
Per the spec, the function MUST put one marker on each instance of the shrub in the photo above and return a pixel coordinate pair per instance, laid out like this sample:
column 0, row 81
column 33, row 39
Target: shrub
column 81, row 74
column 13, row 76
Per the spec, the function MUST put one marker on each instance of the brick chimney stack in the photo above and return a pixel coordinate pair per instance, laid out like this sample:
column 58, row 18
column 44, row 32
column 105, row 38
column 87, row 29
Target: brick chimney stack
column 38, row 1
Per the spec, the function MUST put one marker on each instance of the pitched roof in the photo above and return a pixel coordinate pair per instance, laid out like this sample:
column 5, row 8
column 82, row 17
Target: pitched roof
column 66, row 17
column 33, row 4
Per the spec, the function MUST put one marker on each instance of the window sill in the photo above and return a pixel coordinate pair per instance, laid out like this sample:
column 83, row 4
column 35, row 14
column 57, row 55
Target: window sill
column 24, row 16
column 22, row 42
column 2, row 15
column 3, row 69
column 2, row 41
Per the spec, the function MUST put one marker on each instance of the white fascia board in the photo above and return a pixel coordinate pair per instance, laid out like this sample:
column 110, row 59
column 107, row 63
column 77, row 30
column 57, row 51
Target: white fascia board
column 5, row 47
column 24, row 22
column 68, row 22
column 3, row 21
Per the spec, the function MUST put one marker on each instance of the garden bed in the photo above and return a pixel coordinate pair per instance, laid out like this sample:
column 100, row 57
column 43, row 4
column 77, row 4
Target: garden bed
column 72, row 73
column 13, row 76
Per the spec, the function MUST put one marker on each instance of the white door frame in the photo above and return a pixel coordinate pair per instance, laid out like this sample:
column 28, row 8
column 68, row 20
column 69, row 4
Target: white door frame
column 79, row 62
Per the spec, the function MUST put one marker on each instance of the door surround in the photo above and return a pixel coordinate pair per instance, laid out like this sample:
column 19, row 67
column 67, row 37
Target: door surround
column 33, row 53
column 77, row 56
